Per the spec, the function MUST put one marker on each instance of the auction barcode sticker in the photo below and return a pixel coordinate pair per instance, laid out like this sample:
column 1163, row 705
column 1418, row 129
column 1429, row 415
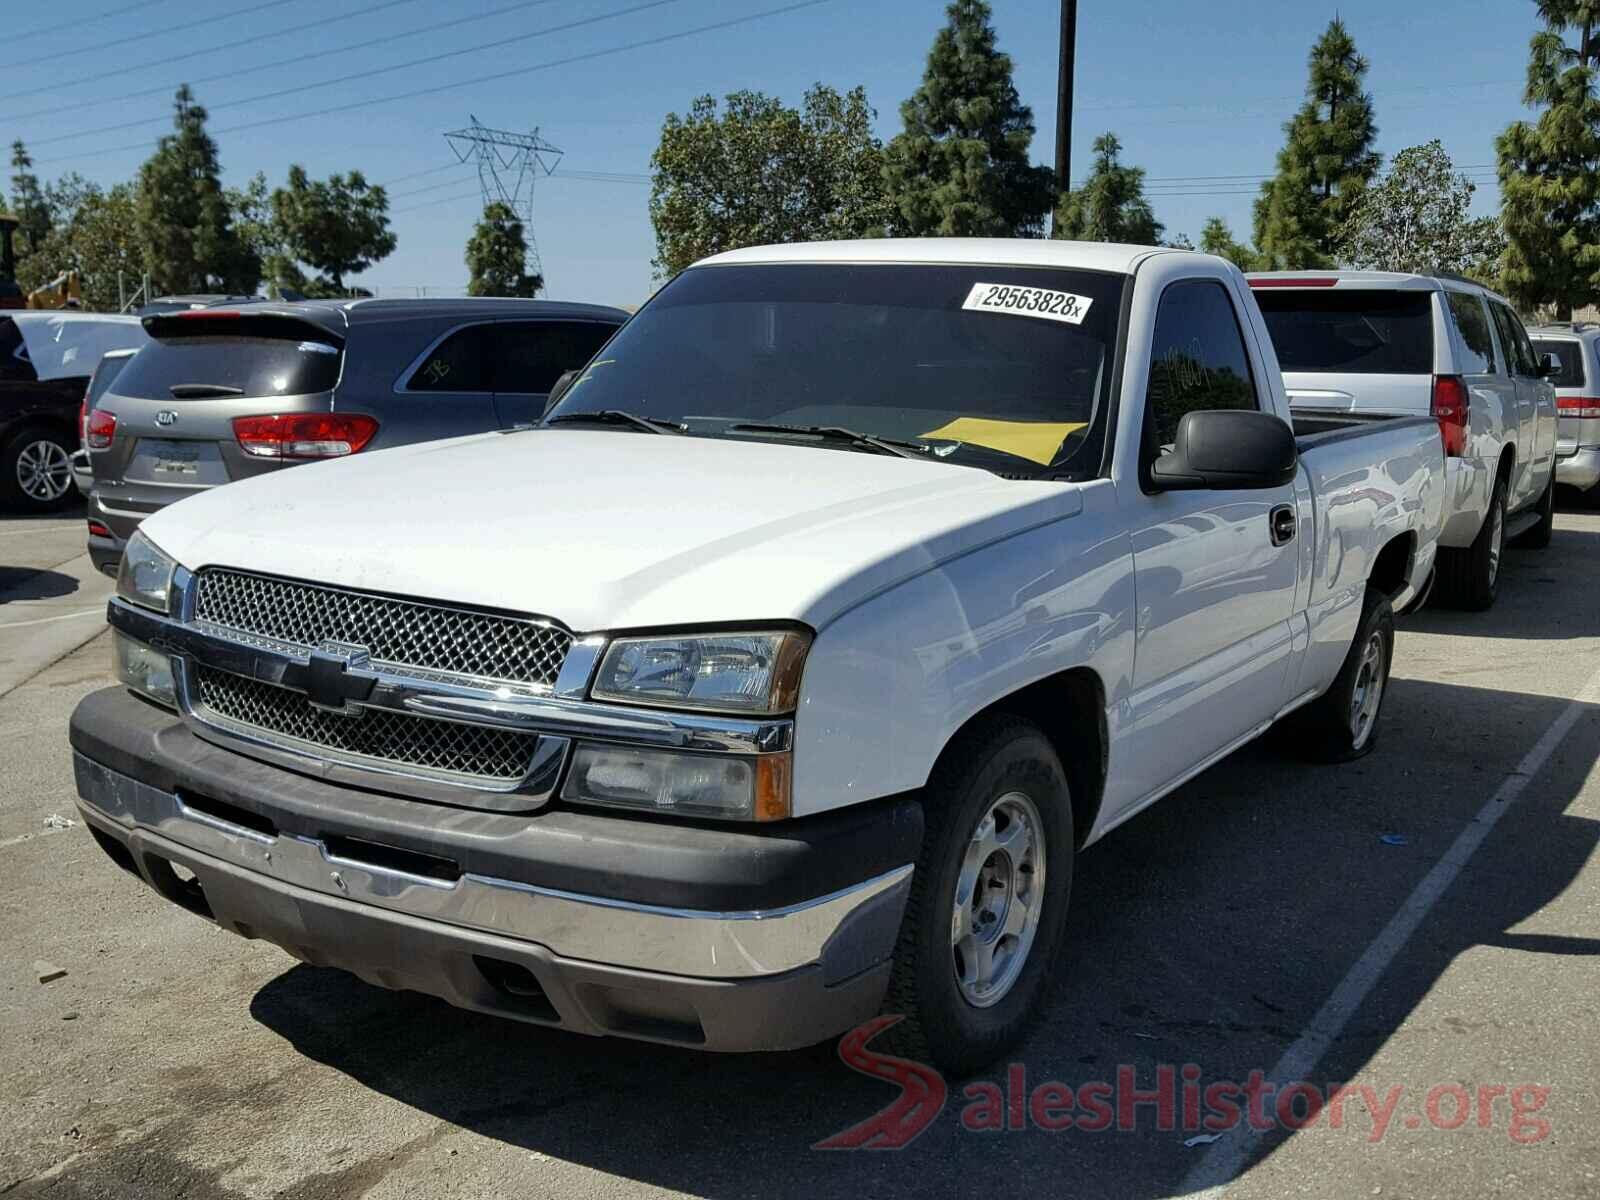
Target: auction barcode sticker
column 1028, row 302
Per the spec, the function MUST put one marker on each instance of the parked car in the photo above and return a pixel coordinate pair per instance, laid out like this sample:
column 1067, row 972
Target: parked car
column 782, row 671
column 226, row 393
column 109, row 367
column 46, row 359
column 1577, row 384
column 1378, row 343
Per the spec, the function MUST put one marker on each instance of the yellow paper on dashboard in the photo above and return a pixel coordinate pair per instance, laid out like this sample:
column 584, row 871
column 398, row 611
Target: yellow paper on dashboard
column 1038, row 441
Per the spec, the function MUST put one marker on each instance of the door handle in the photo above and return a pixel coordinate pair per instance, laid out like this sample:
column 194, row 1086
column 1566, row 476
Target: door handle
column 1282, row 522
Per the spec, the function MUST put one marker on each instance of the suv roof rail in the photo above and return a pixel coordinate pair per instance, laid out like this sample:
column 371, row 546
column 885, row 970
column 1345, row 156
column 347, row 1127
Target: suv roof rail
column 1457, row 278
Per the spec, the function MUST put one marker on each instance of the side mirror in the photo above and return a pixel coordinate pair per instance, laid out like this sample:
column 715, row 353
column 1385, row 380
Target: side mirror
column 559, row 389
column 1227, row 448
column 1549, row 366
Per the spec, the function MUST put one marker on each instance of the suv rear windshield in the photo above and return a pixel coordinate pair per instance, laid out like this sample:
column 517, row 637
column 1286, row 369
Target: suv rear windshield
column 1000, row 367
column 1362, row 332
column 1570, row 355
column 257, row 366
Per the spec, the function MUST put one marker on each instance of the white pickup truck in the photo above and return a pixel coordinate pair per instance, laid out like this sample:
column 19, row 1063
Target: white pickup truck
column 778, row 676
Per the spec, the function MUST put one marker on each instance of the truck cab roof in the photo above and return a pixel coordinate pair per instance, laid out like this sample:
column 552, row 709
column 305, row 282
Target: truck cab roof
column 1020, row 252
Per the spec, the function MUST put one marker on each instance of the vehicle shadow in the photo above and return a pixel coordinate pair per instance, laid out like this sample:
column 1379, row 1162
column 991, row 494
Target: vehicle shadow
column 1208, row 930
column 31, row 583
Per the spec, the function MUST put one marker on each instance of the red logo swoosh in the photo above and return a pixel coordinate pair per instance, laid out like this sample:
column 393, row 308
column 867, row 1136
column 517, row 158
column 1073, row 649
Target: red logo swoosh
column 921, row 1099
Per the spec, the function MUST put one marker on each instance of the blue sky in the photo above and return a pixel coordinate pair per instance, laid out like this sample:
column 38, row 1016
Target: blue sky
column 1196, row 92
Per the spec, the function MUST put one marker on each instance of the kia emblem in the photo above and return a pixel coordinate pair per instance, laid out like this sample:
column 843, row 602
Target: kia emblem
column 166, row 417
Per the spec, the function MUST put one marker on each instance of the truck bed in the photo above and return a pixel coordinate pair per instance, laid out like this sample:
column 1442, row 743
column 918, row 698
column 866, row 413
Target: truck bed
column 1319, row 428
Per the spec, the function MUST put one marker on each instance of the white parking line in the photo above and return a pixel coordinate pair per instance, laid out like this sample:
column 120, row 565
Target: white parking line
column 82, row 612
column 1213, row 1174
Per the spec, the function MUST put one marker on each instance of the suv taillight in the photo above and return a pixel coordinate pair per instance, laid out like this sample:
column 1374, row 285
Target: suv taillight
column 1450, row 410
column 99, row 428
column 1578, row 406
column 304, row 435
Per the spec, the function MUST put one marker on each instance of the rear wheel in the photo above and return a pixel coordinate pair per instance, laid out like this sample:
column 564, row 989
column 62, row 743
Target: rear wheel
column 988, row 900
column 1469, row 578
column 1537, row 537
column 1342, row 723
column 36, row 471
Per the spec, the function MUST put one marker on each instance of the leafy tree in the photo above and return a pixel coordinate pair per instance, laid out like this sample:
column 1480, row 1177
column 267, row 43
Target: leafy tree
column 758, row 171
column 1111, row 205
column 28, row 203
column 95, row 236
column 1418, row 219
column 497, row 256
column 1326, row 160
column 337, row 226
column 1550, row 169
column 1216, row 238
column 961, row 166
column 182, row 216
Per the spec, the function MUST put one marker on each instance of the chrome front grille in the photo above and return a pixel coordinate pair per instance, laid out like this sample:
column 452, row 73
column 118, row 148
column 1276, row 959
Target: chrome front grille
column 407, row 635
column 390, row 739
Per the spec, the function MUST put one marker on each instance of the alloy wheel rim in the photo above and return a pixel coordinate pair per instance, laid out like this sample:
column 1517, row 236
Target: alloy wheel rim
column 44, row 471
column 1368, row 693
column 1496, row 541
column 999, row 900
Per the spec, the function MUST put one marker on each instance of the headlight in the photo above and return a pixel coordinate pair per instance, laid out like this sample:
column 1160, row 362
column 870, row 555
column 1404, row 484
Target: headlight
column 145, row 576
column 753, row 673
column 718, row 786
column 146, row 671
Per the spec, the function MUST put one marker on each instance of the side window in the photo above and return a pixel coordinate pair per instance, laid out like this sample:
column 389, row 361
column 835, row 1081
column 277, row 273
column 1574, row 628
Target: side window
column 530, row 356
column 1473, row 323
column 1527, row 360
column 460, row 363
column 1197, row 359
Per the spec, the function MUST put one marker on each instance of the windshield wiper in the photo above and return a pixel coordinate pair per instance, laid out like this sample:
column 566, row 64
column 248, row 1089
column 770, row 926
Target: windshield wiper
column 836, row 433
column 618, row 416
column 203, row 391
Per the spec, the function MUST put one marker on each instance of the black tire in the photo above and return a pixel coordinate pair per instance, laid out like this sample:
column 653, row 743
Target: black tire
column 1537, row 537
column 17, row 479
column 1327, row 730
column 988, row 765
column 1470, row 578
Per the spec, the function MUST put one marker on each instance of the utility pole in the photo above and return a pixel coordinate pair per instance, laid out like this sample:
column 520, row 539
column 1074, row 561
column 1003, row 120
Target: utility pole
column 1069, row 44
column 508, row 165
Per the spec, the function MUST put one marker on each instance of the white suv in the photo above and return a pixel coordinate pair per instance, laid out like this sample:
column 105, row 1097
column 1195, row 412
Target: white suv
column 1577, row 384
column 1382, row 343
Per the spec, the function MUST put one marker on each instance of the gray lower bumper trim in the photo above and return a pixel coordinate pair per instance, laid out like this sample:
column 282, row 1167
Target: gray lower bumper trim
column 845, row 933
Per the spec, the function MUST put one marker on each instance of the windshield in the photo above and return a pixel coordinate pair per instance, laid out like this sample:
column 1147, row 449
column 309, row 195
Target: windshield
column 1001, row 367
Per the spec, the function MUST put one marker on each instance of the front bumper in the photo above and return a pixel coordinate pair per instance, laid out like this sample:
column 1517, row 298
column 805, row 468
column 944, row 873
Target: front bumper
column 1579, row 469
column 721, row 939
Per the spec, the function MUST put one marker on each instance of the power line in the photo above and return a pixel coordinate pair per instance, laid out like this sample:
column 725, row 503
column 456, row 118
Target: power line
column 144, row 67
column 427, row 60
column 590, row 56
column 77, row 22
column 80, row 51
column 418, row 174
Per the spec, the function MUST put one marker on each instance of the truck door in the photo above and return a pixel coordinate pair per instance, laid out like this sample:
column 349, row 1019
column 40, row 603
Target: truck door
column 1215, row 572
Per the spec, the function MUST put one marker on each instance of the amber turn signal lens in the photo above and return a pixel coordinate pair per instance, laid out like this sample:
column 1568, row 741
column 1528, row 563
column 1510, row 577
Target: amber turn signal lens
column 773, row 778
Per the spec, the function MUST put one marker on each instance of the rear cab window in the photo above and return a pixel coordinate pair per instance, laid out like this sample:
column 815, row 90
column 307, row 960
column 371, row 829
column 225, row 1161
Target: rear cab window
column 260, row 359
column 1570, row 355
column 1363, row 331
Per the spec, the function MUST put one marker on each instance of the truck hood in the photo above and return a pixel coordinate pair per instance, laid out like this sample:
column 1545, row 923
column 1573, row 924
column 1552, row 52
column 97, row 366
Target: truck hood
column 611, row 530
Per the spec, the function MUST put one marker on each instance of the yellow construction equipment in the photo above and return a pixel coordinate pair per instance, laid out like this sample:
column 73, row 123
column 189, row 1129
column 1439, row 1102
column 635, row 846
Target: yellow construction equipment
column 64, row 291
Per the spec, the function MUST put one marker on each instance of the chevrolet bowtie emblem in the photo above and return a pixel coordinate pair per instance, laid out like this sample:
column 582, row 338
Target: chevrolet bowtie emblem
column 335, row 675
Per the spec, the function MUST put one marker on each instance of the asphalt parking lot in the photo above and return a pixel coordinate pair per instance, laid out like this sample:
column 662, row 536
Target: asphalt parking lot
column 1426, row 920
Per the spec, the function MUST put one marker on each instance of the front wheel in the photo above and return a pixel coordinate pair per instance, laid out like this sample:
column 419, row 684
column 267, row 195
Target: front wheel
column 1342, row 723
column 988, row 899
column 36, row 471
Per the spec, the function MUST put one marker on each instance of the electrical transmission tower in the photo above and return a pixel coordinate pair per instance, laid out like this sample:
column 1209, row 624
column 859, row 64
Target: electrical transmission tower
column 508, row 165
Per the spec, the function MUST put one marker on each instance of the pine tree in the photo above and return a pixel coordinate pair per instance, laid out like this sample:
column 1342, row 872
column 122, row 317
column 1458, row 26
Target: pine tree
column 1326, row 160
column 337, row 226
column 961, row 166
column 1550, row 169
column 497, row 256
column 1216, row 238
column 183, row 218
column 1111, row 205
column 29, row 205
